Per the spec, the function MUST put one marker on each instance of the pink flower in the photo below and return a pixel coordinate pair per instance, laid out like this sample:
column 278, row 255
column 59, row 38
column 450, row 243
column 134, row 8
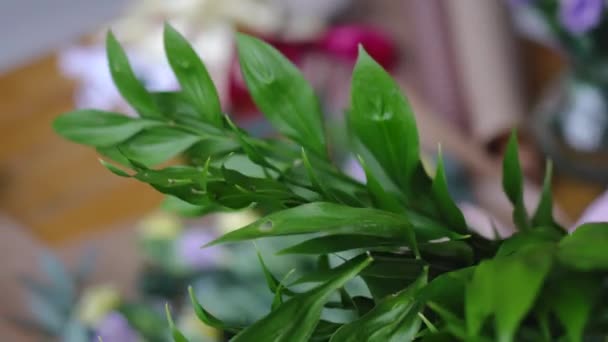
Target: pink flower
column 596, row 212
column 343, row 42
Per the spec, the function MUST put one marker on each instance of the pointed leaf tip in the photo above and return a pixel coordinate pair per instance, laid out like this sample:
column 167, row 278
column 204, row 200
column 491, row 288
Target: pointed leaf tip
column 512, row 182
column 267, row 73
column 127, row 83
column 168, row 314
column 361, row 50
column 175, row 333
column 196, row 83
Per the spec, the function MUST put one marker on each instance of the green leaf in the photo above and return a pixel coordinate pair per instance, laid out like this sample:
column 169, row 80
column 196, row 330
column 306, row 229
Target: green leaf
column 449, row 251
column 74, row 331
column 277, row 300
column 192, row 75
column 206, row 317
column 280, row 290
column 113, row 153
column 282, row 93
column 175, row 105
column 114, row 169
column 271, row 281
column 447, row 289
column 174, row 176
column 59, row 277
column 158, row 145
column 543, row 216
column 146, row 320
column 211, row 147
column 44, row 307
column 428, row 324
column 572, row 298
column 585, row 249
column 127, row 83
column 454, row 326
column 386, row 275
column 391, row 273
column 182, row 208
column 394, row 266
column 479, row 297
column 429, row 228
column 382, row 199
column 448, row 210
column 296, row 319
column 382, row 120
column 98, row 128
column 175, row 333
column 324, row 331
column 517, row 284
column 338, row 243
column 522, row 241
column 383, row 267
column 316, row 181
column 326, row 218
column 512, row 183
column 259, row 186
column 393, row 319
column 253, row 153
column 506, row 287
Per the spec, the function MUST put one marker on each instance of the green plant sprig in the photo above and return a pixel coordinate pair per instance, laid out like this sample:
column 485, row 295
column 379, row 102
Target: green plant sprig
column 430, row 277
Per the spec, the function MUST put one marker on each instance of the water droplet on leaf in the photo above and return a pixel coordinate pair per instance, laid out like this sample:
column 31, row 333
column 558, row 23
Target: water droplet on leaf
column 184, row 64
column 266, row 226
column 382, row 116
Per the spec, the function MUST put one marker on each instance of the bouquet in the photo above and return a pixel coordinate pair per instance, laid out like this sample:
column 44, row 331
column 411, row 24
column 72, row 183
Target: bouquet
column 396, row 260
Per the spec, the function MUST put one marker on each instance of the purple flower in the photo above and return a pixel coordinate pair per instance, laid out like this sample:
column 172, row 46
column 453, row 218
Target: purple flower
column 354, row 169
column 580, row 16
column 189, row 250
column 115, row 327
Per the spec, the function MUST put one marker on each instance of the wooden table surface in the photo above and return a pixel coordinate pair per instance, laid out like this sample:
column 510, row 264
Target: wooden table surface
column 55, row 187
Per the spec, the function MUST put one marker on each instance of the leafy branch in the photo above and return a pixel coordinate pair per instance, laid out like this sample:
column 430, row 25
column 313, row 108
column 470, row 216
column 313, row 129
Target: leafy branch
column 429, row 276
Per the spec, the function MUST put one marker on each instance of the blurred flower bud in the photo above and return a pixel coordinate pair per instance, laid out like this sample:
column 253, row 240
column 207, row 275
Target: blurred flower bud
column 160, row 226
column 115, row 327
column 344, row 41
column 96, row 303
column 580, row 16
column 190, row 253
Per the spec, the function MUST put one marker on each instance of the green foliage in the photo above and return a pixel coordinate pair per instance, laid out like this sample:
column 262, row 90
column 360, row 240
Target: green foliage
column 52, row 301
column 193, row 77
column 513, row 184
column 175, row 333
column 381, row 119
column 282, row 93
column 99, row 129
column 394, row 318
column 428, row 276
column 127, row 83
